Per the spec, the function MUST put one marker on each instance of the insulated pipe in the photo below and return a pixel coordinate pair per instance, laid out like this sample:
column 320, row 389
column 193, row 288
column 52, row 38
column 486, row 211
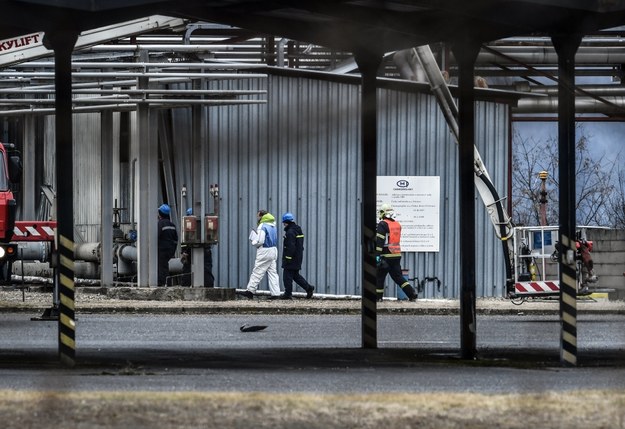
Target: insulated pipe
column 87, row 252
column 547, row 55
column 82, row 269
column 616, row 105
column 33, row 251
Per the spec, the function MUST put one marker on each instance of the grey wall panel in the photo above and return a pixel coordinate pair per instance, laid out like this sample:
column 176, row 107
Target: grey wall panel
column 301, row 153
column 87, row 184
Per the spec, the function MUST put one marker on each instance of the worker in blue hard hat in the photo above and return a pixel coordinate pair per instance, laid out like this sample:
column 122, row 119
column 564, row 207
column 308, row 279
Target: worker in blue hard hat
column 292, row 257
column 167, row 242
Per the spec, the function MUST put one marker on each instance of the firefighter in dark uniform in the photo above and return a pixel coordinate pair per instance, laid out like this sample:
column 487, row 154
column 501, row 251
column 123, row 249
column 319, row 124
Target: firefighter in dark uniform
column 167, row 242
column 388, row 253
column 292, row 256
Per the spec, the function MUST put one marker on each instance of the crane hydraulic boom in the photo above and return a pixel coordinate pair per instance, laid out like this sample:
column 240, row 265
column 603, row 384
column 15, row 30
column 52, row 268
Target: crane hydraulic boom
column 493, row 203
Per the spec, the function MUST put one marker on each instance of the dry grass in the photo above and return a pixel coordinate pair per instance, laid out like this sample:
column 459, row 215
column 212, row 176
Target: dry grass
column 138, row 410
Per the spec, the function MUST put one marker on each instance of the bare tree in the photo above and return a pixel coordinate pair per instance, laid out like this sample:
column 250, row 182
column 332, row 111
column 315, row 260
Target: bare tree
column 616, row 208
column 594, row 179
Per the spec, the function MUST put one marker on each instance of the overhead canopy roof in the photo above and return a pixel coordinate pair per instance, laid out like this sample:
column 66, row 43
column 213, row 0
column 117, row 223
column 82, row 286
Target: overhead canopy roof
column 343, row 24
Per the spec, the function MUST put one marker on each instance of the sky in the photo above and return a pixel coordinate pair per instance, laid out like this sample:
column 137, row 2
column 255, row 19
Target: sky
column 606, row 138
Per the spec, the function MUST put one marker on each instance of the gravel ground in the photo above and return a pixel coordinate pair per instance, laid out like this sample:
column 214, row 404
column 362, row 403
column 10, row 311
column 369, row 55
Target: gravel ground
column 96, row 300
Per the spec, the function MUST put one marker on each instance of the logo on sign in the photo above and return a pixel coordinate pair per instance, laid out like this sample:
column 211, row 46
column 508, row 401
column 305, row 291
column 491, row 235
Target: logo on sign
column 403, row 183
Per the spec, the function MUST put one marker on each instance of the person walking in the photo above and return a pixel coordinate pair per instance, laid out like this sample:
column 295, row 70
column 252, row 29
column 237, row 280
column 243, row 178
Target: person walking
column 167, row 242
column 388, row 253
column 265, row 239
column 292, row 257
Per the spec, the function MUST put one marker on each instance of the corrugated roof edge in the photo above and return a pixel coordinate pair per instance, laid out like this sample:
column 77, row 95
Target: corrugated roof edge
column 481, row 94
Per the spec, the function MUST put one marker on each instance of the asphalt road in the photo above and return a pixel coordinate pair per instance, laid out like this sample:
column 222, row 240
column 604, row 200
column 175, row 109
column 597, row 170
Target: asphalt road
column 318, row 353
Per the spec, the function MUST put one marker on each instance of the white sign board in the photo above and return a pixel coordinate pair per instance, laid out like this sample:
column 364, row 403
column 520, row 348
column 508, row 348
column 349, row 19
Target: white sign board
column 416, row 201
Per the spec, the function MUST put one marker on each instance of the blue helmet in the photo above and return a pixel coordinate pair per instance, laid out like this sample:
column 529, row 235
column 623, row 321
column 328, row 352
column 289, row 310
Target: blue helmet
column 164, row 209
column 189, row 211
column 288, row 217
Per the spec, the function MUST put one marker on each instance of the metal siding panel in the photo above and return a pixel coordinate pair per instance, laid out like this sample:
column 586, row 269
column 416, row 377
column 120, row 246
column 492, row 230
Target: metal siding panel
column 87, row 183
column 301, row 152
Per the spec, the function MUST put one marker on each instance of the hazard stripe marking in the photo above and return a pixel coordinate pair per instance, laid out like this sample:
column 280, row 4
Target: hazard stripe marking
column 67, row 322
column 568, row 309
column 533, row 287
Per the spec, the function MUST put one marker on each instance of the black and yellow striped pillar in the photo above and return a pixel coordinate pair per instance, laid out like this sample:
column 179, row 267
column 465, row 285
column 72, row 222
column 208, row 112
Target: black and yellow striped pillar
column 568, row 302
column 67, row 320
column 62, row 42
column 368, row 64
column 566, row 47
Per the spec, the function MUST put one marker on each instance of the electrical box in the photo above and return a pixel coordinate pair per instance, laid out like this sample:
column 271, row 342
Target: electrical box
column 211, row 225
column 190, row 229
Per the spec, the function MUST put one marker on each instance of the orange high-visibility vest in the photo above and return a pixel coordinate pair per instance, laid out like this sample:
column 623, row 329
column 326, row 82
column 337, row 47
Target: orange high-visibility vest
column 393, row 236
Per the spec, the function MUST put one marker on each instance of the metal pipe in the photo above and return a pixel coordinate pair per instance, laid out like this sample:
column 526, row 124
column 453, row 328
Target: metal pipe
column 547, row 55
column 123, row 107
column 128, row 82
column 99, row 75
column 281, row 44
column 582, row 105
column 33, row 250
column 228, row 92
column 87, row 252
column 144, row 65
column 82, row 269
column 124, row 100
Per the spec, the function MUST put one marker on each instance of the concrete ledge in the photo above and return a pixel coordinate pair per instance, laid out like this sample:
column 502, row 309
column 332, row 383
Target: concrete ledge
column 175, row 293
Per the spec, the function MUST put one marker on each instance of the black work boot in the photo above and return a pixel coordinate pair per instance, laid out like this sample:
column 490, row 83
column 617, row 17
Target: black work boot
column 309, row 291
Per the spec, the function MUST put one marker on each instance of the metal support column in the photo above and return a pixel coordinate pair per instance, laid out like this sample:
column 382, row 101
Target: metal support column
column 106, row 198
column 198, row 189
column 146, row 191
column 62, row 42
column 368, row 63
column 466, row 53
column 29, row 192
column 566, row 47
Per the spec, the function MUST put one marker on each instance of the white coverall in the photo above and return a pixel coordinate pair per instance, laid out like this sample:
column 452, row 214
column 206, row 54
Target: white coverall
column 265, row 262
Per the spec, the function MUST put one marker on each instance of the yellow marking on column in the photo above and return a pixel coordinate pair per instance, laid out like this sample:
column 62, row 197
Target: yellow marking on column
column 568, row 280
column 67, row 262
column 68, row 341
column 569, row 339
column 569, row 299
column 565, row 241
column 568, row 318
column 66, row 281
column 70, row 323
column 569, row 357
column 67, row 302
column 66, row 242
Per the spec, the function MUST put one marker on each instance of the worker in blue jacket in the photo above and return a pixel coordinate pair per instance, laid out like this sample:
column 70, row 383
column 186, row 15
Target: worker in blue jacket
column 292, row 257
column 167, row 242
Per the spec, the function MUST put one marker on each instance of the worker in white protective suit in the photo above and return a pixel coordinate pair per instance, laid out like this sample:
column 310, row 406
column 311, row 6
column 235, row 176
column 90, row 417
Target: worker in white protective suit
column 265, row 239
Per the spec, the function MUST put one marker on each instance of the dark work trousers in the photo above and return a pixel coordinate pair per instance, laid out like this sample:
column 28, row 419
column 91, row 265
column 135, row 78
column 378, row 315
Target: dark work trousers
column 163, row 266
column 288, row 276
column 392, row 266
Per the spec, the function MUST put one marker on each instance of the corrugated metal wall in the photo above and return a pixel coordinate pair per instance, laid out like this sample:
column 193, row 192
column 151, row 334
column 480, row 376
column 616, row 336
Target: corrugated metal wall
column 87, row 171
column 300, row 153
